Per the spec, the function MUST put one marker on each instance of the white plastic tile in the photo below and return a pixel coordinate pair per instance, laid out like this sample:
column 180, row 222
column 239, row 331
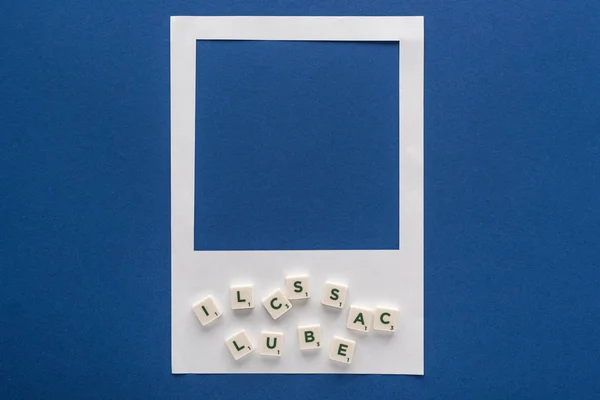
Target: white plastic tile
column 334, row 295
column 207, row 311
column 241, row 297
column 297, row 287
column 360, row 319
column 277, row 304
column 271, row 343
column 342, row 350
column 239, row 344
column 386, row 319
column 310, row 337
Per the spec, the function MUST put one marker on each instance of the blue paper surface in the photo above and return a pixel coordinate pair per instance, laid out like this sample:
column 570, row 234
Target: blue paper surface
column 511, row 189
column 296, row 145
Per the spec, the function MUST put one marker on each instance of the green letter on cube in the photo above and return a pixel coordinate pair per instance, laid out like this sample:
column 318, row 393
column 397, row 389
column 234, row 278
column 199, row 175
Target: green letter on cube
column 381, row 318
column 334, row 294
column 298, row 287
column 309, row 336
column 342, row 349
column 273, row 305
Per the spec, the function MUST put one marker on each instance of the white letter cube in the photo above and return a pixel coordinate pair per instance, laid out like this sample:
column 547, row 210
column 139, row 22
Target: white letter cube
column 334, row 295
column 277, row 304
column 239, row 344
column 342, row 350
column 241, row 297
column 359, row 319
column 310, row 337
column 297, row 287
column 207, row 311
column 271, row 343
column 386, row 319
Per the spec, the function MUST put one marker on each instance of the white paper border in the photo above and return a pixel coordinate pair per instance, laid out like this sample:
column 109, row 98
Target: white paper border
column 189, row 267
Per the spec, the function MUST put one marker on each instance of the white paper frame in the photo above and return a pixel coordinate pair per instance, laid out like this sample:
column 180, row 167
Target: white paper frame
column 375, row 277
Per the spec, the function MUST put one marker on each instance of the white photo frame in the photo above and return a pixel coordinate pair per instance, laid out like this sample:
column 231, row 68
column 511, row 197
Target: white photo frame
column 374, row 277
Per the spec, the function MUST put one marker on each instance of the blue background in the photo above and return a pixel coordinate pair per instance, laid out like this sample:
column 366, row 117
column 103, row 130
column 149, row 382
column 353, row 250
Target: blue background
column 512, row 181
column 296, row 145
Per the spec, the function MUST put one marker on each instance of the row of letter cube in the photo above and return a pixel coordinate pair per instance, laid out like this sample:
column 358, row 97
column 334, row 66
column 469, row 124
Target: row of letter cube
column 383, row 319
column 309, row 338
column 277, row 303
column 296, row 288
column 360, row 319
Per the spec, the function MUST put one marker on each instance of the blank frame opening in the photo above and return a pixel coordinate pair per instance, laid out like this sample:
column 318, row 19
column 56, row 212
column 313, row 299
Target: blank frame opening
column 296, row 146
